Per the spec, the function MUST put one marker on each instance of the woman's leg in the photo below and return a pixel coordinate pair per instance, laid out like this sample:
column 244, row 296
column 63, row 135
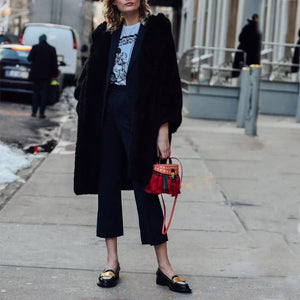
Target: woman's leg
column 163, row 259
column 148, row 206
column 109, row 218
column 165, row 274
column 112, row 253
column 150, row 216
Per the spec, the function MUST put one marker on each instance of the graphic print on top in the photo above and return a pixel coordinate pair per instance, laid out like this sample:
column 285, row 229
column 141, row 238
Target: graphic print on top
column 126, row 43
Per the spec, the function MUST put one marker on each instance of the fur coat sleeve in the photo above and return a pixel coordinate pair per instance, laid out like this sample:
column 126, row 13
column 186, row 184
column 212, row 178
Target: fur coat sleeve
column 172, row 93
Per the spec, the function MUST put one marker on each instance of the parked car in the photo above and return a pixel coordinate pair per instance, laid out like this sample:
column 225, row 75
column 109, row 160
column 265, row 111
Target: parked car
column 66, row 42
column 8, row 38
column 15, row 68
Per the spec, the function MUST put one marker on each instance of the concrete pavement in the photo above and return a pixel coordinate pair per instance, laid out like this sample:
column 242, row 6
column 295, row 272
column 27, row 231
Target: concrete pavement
column 235, row 233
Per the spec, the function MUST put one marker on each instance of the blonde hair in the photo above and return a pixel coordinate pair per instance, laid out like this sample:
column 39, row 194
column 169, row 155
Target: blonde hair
column 114, row 17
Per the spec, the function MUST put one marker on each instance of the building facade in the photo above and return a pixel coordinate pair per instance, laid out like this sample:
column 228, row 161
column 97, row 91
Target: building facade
column 217, row 23
column 75, row 13
column 14, row 14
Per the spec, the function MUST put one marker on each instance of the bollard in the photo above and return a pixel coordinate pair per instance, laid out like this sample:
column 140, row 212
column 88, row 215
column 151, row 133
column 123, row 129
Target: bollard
column 252, row 108
column 244, row 97
column 298, row 106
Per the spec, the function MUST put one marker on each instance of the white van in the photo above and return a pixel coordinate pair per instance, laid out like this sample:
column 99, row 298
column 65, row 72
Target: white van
column 64, row 39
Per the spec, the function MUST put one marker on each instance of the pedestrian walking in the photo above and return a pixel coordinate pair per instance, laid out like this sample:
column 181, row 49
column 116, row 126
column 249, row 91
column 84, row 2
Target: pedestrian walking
column 129, row 104
column 43, row 70
column 296, row 56
column 250, row 40
column 250, row 43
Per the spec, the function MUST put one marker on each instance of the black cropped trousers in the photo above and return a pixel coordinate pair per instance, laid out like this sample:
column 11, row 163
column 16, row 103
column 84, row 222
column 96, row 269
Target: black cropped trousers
column 116, row 137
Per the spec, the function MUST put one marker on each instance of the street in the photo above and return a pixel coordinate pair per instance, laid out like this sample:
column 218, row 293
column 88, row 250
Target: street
column 18, row 130
column 234, row 236
column 231, row 69
column 17, row 127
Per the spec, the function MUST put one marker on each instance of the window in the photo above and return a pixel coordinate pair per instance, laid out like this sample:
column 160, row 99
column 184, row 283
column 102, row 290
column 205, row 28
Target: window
column 10, row 54
column 232, row 20
column 292, row 20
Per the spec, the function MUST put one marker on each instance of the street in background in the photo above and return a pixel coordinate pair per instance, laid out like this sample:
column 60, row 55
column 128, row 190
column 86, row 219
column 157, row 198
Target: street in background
column 14, row 72
column 66, row 42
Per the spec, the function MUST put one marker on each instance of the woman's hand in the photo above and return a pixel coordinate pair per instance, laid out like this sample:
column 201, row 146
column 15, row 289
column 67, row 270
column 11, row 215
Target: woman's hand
column 163, row 143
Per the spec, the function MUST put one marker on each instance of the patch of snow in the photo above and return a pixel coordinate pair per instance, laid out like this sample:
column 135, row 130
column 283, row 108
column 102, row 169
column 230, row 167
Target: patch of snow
column 67, row 100
column 12, row 160
column 62, row 146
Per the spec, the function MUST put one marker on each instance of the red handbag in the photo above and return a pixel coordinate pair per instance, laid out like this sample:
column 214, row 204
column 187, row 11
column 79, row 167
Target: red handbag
column 165, row 179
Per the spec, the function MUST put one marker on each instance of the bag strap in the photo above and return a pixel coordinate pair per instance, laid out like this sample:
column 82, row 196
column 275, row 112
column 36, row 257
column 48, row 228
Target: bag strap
column 167, row 159
column 165, row 228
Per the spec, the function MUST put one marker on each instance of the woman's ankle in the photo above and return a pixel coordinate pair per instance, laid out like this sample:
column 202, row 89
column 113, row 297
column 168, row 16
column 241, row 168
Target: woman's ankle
column 112, row 253
column 164, row 265
column 167, row 269
column 112, row 265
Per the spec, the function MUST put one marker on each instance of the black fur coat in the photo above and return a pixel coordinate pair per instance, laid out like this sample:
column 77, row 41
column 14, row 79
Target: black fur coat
column 159, row 100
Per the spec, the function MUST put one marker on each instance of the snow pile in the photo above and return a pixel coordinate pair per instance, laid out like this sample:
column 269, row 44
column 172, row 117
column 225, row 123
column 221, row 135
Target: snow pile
column 67, row 100
column 11, row 161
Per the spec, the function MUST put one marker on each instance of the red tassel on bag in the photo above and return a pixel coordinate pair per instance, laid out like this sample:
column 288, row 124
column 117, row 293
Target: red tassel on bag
column 165, row 179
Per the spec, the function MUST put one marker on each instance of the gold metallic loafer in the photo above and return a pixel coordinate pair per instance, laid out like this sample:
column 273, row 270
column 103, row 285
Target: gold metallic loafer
column 108, row 278
column 176, row 284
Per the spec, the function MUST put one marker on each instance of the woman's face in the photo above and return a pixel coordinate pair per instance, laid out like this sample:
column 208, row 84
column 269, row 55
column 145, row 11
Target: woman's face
column 127, row 6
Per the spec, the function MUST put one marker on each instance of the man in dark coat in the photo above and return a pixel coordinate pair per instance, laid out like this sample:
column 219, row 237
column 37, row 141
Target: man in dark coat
column 250, row 43
column 250, row 40
column 43, row 69
column 158, row 100
column 296, row 56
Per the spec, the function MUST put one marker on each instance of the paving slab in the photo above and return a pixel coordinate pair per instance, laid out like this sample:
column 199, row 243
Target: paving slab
column 49, row 284
column 57, row 163
column 63, row 210
column 51, row 210
column 259, row 176
column 56, row 185
column 76, row 247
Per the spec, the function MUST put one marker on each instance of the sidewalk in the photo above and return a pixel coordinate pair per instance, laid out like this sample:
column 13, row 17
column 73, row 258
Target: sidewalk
column 235, row 233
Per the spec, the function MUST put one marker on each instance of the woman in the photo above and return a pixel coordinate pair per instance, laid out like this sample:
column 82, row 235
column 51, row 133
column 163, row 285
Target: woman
column 129, row 104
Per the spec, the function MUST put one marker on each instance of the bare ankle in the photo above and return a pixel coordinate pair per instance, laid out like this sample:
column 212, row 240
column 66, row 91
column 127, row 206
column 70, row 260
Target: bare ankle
column 164, row 265
column 167, row 270
column 112, row 263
